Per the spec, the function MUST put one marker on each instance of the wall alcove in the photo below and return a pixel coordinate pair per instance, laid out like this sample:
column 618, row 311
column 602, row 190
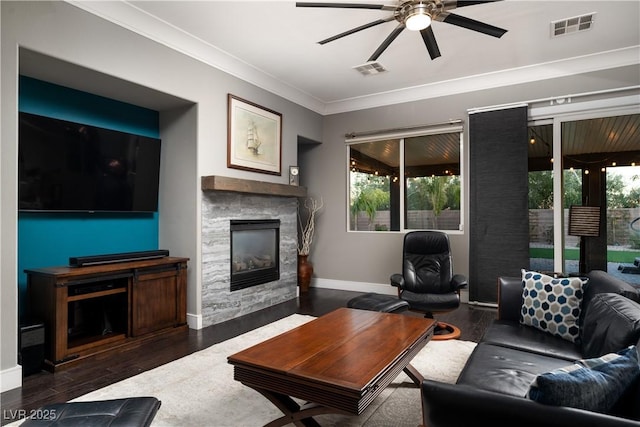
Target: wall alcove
column 177, row 126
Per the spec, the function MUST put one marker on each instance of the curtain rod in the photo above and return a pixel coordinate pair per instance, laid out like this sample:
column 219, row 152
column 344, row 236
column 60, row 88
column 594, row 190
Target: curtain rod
column 551, row 99
column 352, row 135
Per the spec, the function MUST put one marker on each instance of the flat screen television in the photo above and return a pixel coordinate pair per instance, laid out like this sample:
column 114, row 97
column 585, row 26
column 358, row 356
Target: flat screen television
column 73, row 167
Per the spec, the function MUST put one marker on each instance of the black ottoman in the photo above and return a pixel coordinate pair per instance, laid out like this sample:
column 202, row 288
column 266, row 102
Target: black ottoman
column 129, row 412
column 378, row 302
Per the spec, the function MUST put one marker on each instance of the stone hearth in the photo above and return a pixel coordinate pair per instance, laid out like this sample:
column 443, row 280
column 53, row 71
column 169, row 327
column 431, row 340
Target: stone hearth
column 227, row 199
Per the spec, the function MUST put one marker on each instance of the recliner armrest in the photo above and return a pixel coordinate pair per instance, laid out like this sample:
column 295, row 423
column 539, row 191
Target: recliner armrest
column 459, row 281
column 397, row 280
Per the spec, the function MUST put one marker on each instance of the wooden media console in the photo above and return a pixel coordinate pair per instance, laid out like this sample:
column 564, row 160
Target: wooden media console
column 94, row 309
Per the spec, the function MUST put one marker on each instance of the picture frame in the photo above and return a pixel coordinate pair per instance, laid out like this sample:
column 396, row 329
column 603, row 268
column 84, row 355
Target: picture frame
column 254, row 140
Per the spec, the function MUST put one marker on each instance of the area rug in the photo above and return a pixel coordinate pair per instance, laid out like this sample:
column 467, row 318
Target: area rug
column 199, row 389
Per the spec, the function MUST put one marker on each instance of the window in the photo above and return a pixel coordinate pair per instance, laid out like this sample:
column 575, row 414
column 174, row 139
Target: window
column 429, row 196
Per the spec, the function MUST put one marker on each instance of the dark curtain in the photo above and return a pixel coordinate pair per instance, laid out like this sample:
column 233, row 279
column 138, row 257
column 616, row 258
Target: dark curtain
column 499, row 217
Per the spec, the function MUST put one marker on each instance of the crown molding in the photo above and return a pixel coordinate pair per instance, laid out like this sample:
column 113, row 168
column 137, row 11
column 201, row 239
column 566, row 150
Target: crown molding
column 537, row 72
column 130, row 17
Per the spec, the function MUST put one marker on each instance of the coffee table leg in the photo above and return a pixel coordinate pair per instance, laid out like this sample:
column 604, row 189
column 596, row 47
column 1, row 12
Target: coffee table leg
column 301, row 416
column 413, row 373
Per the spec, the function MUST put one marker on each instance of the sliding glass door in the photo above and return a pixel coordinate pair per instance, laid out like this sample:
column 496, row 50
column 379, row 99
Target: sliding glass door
column 541, row 226
column 600, row 166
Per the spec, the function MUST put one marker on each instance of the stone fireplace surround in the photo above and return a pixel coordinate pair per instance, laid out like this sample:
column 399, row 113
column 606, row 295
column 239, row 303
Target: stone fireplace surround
column 225, row 199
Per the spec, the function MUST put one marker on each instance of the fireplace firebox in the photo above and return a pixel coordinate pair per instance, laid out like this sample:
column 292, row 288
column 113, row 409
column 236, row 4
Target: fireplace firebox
column 255, row 252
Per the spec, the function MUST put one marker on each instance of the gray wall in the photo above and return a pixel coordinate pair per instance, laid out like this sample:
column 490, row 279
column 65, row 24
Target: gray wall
column 352, row 258
column 77, row 49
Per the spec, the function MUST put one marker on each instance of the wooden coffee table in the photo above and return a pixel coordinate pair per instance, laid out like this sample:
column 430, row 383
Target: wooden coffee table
column 338, row 363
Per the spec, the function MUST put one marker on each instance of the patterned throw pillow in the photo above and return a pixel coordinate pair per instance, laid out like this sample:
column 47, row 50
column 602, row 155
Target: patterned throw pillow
column 591, row 384
column 552, row 305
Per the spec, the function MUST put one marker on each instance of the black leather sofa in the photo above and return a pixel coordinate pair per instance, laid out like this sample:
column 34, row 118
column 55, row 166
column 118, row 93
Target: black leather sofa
column 493, row 385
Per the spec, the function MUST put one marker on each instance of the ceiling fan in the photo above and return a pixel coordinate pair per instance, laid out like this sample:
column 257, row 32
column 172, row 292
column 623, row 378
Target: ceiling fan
column 415, row 15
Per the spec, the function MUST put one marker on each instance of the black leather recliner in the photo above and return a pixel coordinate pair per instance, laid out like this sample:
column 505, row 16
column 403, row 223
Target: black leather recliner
column 427, row 281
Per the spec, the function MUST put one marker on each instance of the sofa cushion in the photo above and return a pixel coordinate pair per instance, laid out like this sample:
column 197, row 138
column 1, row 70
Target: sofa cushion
column 509, row 298
column 505, row 370
column 601, row 282
column 552, row 304
column 611, row 324
column 627, row 406
column 514, row 335
column 591, row 384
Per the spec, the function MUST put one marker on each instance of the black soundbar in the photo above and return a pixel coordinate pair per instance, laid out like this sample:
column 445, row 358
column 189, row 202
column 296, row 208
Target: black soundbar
column 81, row 261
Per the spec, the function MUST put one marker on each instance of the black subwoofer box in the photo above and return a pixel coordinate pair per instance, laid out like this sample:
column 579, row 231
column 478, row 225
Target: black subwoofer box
column 31, row 345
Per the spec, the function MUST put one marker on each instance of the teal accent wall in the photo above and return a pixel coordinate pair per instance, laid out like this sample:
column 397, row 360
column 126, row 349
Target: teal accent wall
column 49, row 239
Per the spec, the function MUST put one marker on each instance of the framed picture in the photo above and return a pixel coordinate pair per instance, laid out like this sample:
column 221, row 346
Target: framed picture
column 254, row 137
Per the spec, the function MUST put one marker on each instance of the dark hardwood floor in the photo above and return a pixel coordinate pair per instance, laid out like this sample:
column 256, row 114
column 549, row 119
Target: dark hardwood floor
column 45, row 387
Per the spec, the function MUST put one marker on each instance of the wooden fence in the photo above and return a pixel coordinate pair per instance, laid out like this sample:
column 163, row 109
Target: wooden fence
column 619, row 230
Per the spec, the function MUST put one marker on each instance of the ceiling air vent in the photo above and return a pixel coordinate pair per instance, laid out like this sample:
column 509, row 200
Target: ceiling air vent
column 572, row 25
column 370, row 68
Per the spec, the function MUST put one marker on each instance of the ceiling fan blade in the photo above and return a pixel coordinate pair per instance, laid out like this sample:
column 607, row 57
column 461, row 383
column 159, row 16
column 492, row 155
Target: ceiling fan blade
column 471, row 24
column 463, row 3
column 430, row 42
column 385, row 44
column 355, row 30
column 346, row 5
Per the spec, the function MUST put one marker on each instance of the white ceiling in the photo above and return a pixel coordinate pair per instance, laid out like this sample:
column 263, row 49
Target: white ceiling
column 274, row 45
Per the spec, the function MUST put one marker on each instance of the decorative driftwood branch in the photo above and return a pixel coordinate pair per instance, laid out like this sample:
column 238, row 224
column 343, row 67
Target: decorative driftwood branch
column 308, row 228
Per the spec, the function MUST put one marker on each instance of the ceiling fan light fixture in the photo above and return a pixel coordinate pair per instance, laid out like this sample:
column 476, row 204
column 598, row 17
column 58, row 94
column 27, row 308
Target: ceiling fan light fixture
column 417, row 17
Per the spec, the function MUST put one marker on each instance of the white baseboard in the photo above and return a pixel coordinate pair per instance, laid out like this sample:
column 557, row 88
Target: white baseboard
column 11, row 378
column 345, row 285
column 464, row 296
column 194, row 321
column 380, row 288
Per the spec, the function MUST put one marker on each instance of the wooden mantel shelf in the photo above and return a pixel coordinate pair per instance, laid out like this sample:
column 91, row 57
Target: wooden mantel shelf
column 224, row 183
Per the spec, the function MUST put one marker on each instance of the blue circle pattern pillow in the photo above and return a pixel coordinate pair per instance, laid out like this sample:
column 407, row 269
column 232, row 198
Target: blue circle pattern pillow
column 552, row 305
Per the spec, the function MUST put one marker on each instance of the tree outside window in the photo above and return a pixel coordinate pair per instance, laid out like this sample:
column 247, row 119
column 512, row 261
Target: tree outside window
column 428, row 198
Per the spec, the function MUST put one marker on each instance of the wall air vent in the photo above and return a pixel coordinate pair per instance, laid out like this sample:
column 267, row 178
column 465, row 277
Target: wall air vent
column 370, row 68
column 572, row 25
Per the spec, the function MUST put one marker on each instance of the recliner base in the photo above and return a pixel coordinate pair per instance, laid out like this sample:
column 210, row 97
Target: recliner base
column 445, row 331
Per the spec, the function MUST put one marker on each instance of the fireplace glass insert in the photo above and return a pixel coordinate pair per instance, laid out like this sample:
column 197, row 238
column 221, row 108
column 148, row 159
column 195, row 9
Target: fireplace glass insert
column 255, row 252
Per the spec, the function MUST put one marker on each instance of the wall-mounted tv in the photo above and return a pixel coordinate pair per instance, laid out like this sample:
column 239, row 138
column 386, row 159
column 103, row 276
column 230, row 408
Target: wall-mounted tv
column 73, row 167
